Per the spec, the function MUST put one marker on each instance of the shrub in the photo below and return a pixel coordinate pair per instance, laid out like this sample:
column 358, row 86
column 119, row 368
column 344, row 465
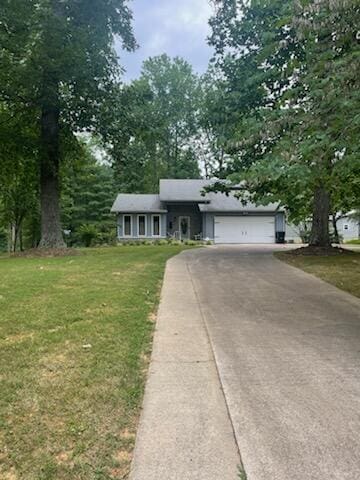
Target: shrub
column 88, row 233
column 174, row 242
column 108, row 238
column 191, row 242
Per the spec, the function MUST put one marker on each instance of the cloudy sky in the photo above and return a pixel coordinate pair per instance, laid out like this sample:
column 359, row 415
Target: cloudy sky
column 175, row 27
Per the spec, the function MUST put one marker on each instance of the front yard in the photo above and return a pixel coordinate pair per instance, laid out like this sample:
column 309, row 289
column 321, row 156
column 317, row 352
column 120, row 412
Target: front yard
column 75, row 337
column 343, row 271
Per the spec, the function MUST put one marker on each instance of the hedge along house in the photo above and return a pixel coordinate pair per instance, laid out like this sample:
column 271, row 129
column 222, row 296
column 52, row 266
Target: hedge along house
column 181, row 210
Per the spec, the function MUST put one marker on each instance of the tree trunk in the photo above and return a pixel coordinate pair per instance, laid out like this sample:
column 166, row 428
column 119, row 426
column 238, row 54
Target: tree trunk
column 320, row 236
column 21, row 243
column 12, row 238
column 336, row 232
column 51, row 231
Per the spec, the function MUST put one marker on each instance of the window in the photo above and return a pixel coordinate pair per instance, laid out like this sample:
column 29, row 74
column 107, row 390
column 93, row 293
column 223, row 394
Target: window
column 346, row 227
column 127, row 225
column 141, row 225
column 156, row 226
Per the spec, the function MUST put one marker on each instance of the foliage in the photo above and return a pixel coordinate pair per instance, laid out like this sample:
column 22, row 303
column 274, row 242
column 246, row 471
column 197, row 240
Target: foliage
column 161, row 121
column 291, row 72
column 18, row 172
column 214, row 126
column 88, row 233
column 57, row 63
column 87, row 196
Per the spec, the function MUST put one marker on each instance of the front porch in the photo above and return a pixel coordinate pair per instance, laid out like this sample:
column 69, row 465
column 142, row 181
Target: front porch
column 184, row 221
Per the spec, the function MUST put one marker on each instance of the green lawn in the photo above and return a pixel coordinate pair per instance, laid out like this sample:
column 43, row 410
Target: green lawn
column 343, row 271
column 75, row 336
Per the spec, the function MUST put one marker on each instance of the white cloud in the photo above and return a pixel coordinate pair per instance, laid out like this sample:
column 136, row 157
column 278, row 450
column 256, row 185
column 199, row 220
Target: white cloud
column 175, row 27
column 185, row 15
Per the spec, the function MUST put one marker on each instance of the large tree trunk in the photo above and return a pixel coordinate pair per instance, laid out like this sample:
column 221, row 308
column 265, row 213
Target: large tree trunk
column 320, row 236
column 51, row 231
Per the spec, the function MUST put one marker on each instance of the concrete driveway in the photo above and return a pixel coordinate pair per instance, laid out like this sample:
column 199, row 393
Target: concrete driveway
column 286, row 351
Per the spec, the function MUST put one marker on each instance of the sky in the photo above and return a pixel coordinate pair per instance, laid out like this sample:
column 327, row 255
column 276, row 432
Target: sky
column 175, row 27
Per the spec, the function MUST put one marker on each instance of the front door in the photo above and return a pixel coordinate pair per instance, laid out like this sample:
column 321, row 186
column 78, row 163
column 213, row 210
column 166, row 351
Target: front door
column 184, row 228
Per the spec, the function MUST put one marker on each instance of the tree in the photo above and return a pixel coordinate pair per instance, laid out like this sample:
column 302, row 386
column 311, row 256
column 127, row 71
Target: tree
column 57, row 59
column 214, row 125
column 18, row 172
column 298, row 102
column 160, row 112
column 87, row 196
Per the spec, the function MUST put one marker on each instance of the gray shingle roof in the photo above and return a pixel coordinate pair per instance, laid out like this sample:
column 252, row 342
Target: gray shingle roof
column 183, row 190
column 219, row 202
column 138, row 203
column 186, row 191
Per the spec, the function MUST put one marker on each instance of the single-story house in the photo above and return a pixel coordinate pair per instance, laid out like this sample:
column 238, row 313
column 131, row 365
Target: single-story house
column 182, row 211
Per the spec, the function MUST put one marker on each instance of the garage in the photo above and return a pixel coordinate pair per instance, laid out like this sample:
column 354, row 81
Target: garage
column 244, row 229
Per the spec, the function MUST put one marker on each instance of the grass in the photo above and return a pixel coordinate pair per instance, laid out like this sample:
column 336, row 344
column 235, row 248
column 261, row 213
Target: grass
column 354, row 242
column 343, row 271
column 75, row 337
column 242, row 474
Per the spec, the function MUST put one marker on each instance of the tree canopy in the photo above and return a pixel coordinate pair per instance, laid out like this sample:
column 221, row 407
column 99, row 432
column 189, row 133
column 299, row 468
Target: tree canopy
column 162, row 110
column 277, row 110
column 57, row 60
column 292, row 89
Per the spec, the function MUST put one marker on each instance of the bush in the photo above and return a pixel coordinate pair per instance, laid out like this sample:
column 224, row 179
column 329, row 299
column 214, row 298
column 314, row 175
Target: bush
column 191, row 243
column 108, row 238
column 88, row 233
column 174, row 242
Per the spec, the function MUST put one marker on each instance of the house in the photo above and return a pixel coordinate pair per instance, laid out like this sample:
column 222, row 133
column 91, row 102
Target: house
column 347, row 226
column 181, row 210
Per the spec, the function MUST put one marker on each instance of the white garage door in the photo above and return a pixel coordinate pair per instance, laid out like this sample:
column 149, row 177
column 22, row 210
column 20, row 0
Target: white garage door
column 245, row 229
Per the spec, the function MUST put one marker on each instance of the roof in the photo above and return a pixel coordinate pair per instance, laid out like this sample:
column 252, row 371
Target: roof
column 183, row 190
column 220, row 202
column 138, row 203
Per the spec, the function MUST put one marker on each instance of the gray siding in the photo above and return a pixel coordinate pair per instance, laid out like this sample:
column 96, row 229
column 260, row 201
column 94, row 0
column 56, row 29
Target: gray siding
column 199, row 223
column 183, row 210
column 348, row 228
column 209, row 231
